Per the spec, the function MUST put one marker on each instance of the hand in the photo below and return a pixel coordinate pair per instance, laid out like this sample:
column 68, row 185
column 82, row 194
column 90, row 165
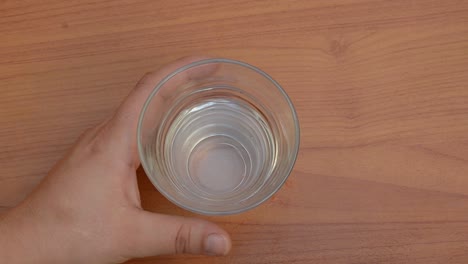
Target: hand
column 88, row 209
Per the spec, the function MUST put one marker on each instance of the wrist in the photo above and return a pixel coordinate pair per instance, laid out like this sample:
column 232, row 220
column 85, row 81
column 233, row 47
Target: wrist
column 9, row 239
column 18, row 241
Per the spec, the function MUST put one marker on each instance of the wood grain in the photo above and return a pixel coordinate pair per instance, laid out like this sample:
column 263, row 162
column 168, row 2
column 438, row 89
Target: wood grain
column 381, row 89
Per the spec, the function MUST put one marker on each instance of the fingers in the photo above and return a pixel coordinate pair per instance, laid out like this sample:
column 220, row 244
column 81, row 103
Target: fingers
column 124, row 122
column 158, row 234
column 137, row 97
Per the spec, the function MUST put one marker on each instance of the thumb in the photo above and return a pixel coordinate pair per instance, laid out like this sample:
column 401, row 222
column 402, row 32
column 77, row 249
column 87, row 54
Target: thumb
column 158, row 234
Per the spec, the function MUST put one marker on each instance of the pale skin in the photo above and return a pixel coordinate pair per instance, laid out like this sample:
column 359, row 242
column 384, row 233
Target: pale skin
column 88, row 209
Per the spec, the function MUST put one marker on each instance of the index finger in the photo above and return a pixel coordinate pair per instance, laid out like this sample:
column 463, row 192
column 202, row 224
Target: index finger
column 123, row 125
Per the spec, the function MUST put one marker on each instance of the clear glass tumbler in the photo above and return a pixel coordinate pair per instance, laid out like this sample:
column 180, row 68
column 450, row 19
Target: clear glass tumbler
column 218, row 136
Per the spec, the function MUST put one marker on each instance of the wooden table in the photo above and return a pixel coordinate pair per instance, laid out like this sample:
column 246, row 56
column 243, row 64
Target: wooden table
column 381, row 89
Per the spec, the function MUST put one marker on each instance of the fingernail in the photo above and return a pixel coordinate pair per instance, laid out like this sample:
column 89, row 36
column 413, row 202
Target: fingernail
column 215, row 245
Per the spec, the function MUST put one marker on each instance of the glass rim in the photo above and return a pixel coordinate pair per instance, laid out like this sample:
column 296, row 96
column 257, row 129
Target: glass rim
column 196, row 64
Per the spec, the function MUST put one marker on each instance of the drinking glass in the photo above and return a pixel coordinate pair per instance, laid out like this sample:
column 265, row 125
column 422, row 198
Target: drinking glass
column 218, row 136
